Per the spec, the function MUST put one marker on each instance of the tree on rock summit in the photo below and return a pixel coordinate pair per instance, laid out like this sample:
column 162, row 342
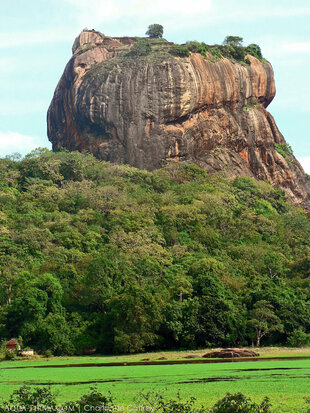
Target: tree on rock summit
column 155, row 30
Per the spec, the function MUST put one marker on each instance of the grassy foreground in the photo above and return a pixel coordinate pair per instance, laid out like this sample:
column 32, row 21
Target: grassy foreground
column 285, row 382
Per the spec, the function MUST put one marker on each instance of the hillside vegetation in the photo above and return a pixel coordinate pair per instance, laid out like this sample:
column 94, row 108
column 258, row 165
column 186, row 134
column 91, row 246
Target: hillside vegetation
column 124, row 260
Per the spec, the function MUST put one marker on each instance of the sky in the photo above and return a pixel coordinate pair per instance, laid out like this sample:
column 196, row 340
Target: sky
column 36, row 37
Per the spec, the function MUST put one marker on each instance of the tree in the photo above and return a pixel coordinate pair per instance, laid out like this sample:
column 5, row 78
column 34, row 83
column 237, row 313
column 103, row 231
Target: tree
column 10, row 275
column 182, row 286
column 233, row 48
column 233, row 41
column 254, row 50
column 55, row 334
column 155, row 30
column 264, row 321
column 25, row 312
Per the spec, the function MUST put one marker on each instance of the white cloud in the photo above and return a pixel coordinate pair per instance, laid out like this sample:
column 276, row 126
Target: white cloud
column 290, row 101
column 173, row 14
column 305, row 162
column 36, row 37
column 281, row 49
column 249, row 11
column 11, row 142
column 9, row 107
column 133, row 15
column 98, row 11
column 180, row 13
column 296, row 47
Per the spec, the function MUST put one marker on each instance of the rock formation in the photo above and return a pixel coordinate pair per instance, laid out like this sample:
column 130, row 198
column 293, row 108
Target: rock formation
column 146, row 111
column 231, row 353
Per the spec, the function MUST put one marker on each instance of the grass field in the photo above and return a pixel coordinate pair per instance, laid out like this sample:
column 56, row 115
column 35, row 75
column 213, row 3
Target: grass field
column 285, row 382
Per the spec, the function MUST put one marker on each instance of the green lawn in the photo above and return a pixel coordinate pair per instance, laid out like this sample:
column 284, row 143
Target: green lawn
column 285, row 382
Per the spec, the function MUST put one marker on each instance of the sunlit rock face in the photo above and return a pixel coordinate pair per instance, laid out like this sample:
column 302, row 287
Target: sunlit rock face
column 147, row 111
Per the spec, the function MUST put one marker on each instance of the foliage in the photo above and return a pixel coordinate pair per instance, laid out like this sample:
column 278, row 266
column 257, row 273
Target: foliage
column 239, row 403
column 47, row 353
column 180, row 51
column 140, row 48
column 41, row 398
column 231, row 48
column 196, row 47
column 158, row 403
column 234, row 51
column 298, row 338
column 250, row 105
column 10, row 355
column 94, row 400
column 106, row 256
column 283, row 149
column 29, row 399
column 233, row 41
column 155, row 30
column 254, row 50
column 85, row 48
column 263, row 320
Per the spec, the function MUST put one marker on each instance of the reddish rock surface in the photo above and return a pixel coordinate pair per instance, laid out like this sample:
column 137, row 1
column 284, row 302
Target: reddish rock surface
column 231, row 353
column 148, row 111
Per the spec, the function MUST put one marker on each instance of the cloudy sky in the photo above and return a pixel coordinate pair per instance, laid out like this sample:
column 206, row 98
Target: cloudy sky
column 36, row 38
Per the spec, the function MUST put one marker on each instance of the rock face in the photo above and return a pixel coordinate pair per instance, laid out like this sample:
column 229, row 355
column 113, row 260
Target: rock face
column 146, row 111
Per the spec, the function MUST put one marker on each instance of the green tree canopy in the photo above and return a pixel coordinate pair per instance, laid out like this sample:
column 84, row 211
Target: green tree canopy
column 233, row 41
column 94, row 255
column 155, row 30
column 264, row 320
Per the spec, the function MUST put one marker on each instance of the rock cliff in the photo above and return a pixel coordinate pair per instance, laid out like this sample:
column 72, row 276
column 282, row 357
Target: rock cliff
column 148, row 110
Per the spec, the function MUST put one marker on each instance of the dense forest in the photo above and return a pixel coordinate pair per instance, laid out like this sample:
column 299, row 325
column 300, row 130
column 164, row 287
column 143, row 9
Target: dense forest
column 104, row 256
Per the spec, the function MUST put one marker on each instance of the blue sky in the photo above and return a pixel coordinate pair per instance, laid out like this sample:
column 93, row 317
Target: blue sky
column 36, row 38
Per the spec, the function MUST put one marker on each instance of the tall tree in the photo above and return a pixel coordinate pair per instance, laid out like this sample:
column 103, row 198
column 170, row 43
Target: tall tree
column 264, row 321
column 155, row 30
column 233, row 41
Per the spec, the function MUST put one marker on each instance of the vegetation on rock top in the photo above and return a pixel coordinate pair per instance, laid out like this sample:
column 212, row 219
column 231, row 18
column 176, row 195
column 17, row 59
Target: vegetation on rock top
column 156, row 50
column 232, row 48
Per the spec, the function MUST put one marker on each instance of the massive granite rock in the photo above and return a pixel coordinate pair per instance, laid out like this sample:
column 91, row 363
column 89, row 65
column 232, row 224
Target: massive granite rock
column 145, row 111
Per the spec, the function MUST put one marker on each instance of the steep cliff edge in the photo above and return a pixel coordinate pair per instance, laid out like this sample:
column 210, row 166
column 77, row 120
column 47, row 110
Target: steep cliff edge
column 147, row 110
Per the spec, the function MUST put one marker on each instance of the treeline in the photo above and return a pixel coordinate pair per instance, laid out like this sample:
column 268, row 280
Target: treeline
column 123, row 260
